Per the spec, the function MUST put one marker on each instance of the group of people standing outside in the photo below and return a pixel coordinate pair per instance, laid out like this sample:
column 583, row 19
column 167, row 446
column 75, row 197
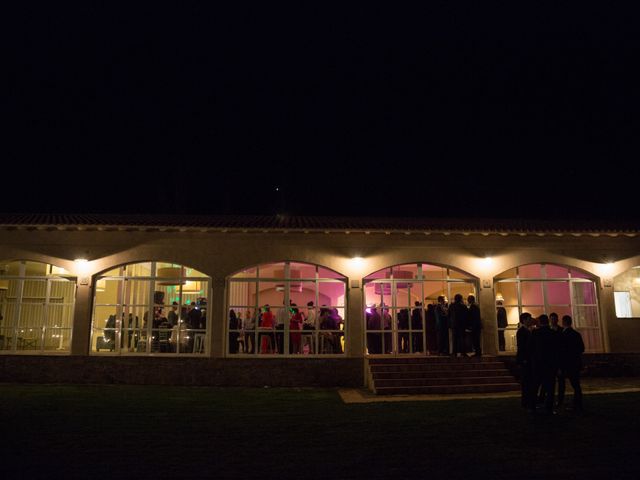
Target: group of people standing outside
column 548, row 353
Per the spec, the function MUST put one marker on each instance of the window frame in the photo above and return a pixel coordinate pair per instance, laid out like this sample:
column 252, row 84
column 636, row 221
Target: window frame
column 395, row 333
column 547, row 307
column 12, row 323
column 143, row 334
column 317, row 334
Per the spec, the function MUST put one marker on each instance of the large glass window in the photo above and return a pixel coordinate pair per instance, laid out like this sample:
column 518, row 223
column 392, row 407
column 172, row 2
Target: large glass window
column 150, row 308
column 545, row 288
column 286, row 308
column 36, row 307
column 626, row 288
column 400, row 316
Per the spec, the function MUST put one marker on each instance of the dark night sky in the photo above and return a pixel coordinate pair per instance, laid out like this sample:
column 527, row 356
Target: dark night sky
column 458, row 109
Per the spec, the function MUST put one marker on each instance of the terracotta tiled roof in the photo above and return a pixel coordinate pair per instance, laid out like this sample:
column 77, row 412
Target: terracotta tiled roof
column 310, row 223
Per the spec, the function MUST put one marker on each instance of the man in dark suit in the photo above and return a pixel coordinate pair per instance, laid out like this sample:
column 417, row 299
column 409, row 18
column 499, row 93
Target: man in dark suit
column 555, row 326
column 501, row 313
column 442, row 325
column 523, row 359
column 545, row 350
column 476, row 325
column 459, row 319
column 572, row 348
column 374, row 322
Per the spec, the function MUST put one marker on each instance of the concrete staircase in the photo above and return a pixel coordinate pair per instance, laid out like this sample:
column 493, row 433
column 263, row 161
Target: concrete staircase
column 439, row 375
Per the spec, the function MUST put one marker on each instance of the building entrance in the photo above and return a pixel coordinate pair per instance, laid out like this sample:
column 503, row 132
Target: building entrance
column 400, row 314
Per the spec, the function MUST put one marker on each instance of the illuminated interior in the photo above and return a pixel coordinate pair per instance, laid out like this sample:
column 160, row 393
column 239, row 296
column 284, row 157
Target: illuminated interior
column 36, row 307
column 286, row 308
column 392, row 293
column 546, row 288
column 150, row 308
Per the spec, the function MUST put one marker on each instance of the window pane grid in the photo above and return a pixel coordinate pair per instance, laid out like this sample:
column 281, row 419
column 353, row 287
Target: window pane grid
column 38, row 309
column 408, row 327
column 160, row 311
column 269, row 313
column 553, row 289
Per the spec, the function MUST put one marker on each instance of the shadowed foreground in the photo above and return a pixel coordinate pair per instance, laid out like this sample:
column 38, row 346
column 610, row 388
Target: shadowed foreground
column 177, row 432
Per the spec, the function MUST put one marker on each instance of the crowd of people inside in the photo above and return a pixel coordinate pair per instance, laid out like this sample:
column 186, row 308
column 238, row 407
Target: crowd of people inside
column 310, row 330
column 170, row 333
column 548, row 354
column 449, row 329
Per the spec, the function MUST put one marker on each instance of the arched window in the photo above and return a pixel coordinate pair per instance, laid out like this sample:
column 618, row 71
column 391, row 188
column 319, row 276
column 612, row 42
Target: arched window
column 401, row 307
column 626, row 291
column 546, row 288
column 36, row 307
column 286, row 308
column 150, row 308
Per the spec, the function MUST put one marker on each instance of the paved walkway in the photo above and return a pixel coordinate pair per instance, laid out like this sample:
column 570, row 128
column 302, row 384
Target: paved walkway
column 590, row 386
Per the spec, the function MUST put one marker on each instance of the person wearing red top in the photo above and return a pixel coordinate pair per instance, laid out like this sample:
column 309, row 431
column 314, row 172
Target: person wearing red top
column 295, row 325
column 266, row 340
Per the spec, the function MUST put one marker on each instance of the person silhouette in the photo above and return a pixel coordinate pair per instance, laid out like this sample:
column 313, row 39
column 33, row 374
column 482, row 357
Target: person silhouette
column 571, row 350
column 475, row 322
column 523, row 359
column 459, row 319
column 442, row 325
column 501, row 314
column 544, row 351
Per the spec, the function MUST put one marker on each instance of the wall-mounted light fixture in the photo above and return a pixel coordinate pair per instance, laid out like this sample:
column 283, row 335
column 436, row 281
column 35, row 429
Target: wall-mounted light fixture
column 82, row 270
column 606, row 269
column 82, row 266
column 357, row 262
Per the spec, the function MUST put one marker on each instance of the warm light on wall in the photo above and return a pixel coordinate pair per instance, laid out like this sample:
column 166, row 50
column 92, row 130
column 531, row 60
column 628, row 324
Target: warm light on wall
column 357, row 262
column 487, row 262
column 82, row 266
column 605, row 269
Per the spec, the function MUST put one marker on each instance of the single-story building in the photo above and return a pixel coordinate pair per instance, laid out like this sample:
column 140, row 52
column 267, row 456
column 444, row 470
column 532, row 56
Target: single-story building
column 260, row 300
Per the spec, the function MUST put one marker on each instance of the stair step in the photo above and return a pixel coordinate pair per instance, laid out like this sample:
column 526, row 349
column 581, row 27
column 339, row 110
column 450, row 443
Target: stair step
column 448, row 389
column 440, row 375
column 427, row 374
column 411, row 367
column 428, row 382
column 430, row 360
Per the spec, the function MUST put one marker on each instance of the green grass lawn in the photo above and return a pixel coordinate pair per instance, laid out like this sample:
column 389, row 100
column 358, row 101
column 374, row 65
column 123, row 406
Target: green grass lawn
column 177, row 432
